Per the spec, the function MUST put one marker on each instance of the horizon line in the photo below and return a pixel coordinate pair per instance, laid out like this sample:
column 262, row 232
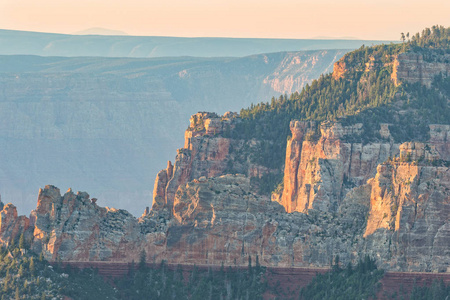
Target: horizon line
column 200, row 37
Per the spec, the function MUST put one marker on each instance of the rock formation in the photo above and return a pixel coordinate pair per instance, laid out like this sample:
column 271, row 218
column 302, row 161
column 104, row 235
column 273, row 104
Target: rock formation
column 73, row 228
column 11, row 225
column 408, row 223
column 399, row 216
column 413, row 67
column 206, row 153
column 319, row 171
column 409, row 67
column 340, row 197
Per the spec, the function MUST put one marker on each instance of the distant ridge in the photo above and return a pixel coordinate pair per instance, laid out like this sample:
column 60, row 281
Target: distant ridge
column 52, row 44
column 99, row 31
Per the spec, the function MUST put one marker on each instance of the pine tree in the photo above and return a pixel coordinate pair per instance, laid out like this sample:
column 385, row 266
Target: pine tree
column 32, row 267
column 21, row 271
column 22, row 242
column 142, row 260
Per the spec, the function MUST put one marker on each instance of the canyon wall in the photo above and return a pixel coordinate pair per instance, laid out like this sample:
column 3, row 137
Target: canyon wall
column 396, row 211
column 412, row 67
column 320, row 168
column 340, row 197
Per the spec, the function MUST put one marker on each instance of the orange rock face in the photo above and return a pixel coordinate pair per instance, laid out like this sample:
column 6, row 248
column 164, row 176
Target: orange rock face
column 11, row 225
column 408, row 221
column 390, row 189
column 206, row 153
column 409, row 180
column 339, row 69
column 319, row 173
column 159, row 189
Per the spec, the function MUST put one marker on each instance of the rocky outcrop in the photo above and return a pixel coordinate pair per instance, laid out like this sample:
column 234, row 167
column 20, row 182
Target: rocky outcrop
column 409, row 67
column 206, row 153
column 321, row 168
column 12, row 225
column 408, row 224
column 339, row 69
column 73, row 228
column 412, row 67
column 159, row 189
column 400, row 217
column 340, row 198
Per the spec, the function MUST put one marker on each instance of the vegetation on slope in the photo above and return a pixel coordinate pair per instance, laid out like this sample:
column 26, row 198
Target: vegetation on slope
column 363, row 282
column 164, row 283
column 24, row 275
column 360, row 282
column 436, row 38
column 364, row 92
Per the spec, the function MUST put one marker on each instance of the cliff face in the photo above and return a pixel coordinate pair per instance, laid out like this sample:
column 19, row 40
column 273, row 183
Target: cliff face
column 199, row 216
column 320, row 171
column 206, row 154
column 340, row 197
column 73, row 228
column 12, row 225
column 409, row 67
column 412, row 67
column 408, row 222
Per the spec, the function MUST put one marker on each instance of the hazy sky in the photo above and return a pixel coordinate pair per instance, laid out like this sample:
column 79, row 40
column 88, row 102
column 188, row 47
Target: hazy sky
column 365, row 19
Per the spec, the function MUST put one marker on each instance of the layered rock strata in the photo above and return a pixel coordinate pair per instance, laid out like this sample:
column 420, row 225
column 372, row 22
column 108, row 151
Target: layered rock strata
column 320, row 168
column 410, row 210
column 400, row 217
column 206, row 153
column 12, row 225
column 409, row 67
column 413, row 67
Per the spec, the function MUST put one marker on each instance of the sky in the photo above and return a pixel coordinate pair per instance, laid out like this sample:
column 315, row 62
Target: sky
column 362, row 19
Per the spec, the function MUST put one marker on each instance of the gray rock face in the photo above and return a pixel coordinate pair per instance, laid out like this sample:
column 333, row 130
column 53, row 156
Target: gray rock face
column 73, row 228
column 412, row 67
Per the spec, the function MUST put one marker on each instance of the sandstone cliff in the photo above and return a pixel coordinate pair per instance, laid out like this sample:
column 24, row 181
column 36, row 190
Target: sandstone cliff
column 206, row 154
column 408, row 224
column 349, row 190
column 319, row 171
column 400, row 216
